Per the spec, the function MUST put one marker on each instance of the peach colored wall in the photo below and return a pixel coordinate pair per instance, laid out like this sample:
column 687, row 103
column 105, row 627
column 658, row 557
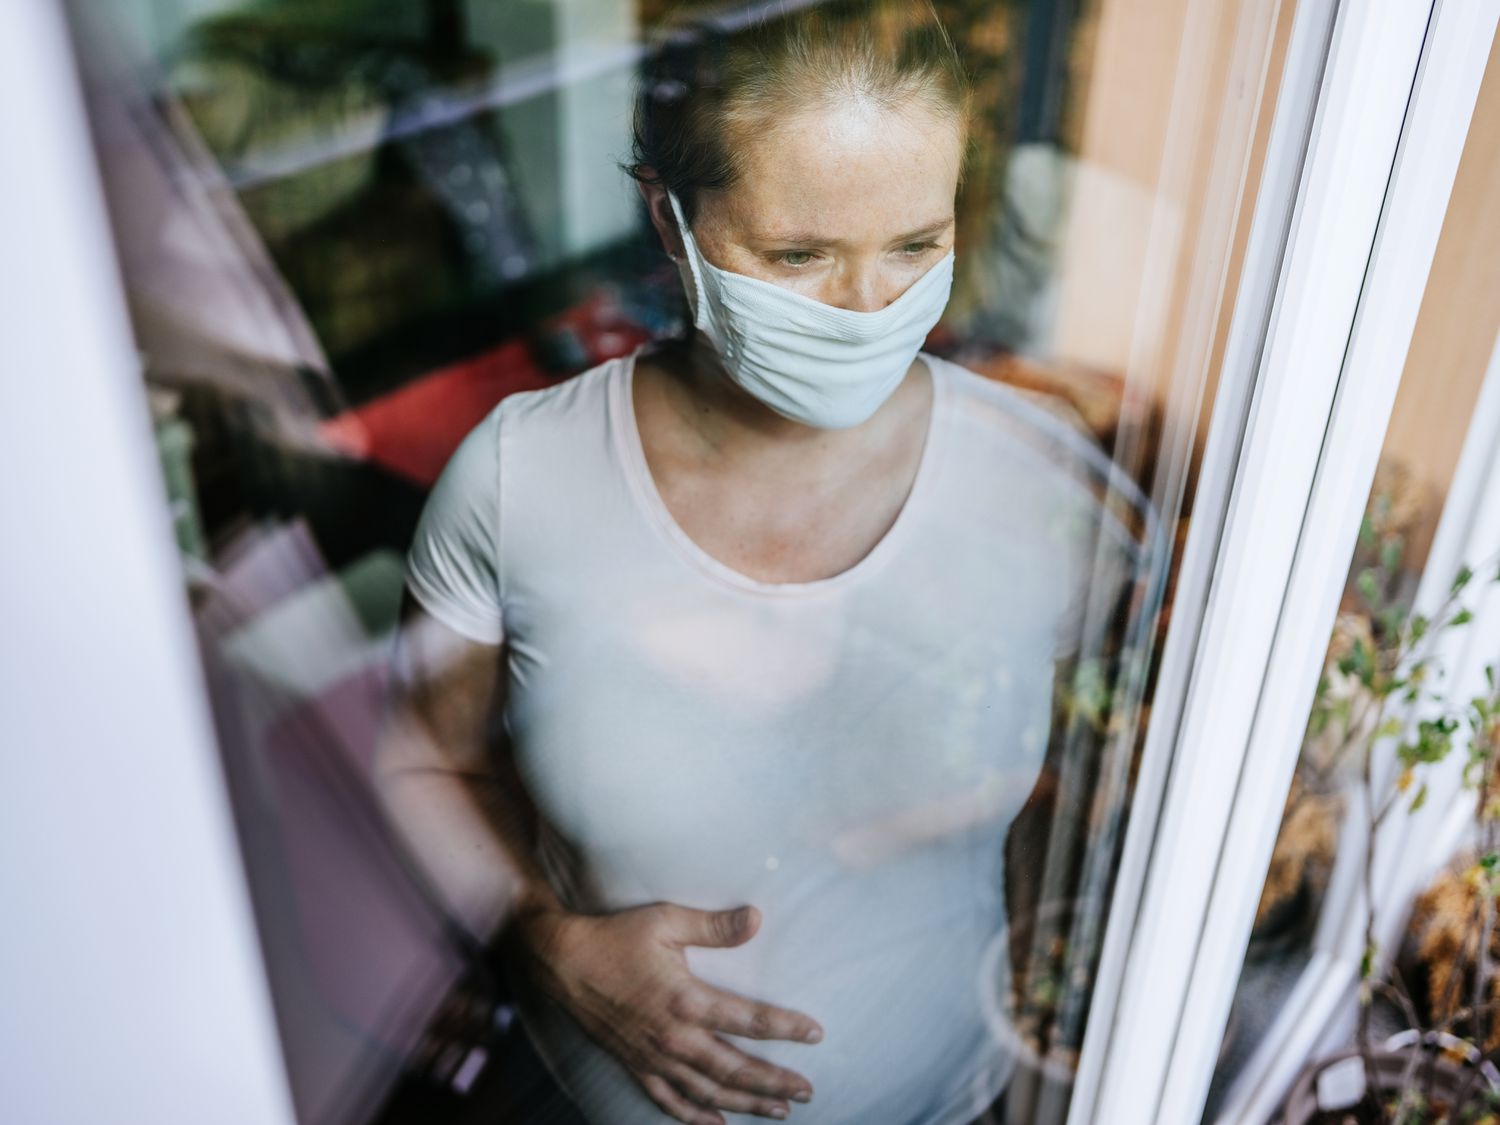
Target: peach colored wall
column 1460, row 315
column 1147, row 130
column 1169, row 137
column 1128, row 77
column 1276, row 64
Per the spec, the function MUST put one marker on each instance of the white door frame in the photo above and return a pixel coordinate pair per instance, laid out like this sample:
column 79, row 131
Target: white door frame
column 134, row 986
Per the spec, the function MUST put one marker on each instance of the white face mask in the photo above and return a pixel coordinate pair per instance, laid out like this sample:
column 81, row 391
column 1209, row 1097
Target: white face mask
column 814, row 363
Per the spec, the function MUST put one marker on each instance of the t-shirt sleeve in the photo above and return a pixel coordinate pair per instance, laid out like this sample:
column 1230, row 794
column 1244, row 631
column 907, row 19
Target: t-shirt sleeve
column 453, row 566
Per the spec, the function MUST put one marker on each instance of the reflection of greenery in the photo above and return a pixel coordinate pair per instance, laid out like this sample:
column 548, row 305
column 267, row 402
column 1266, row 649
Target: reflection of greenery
column 1057, row 906
column 1090, row 693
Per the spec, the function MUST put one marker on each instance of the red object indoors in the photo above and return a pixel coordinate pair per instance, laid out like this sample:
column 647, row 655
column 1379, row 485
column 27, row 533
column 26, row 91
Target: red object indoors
column 414, row 430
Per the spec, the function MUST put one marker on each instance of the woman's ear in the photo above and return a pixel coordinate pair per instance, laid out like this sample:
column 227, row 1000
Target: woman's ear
column 659, row 207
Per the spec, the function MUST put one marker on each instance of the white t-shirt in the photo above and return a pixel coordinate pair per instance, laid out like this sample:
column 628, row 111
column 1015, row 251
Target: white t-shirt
column 845, row 754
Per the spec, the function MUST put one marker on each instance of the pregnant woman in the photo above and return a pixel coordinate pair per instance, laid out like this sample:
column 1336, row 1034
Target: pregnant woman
column 730, row 663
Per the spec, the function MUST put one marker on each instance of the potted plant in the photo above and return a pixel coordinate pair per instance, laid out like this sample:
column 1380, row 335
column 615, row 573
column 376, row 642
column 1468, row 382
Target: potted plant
column 1436, row 1070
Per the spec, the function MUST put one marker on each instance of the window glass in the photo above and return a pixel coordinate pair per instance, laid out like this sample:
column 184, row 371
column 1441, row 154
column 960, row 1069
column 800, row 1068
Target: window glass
column 822, row 570
column 1310, row 908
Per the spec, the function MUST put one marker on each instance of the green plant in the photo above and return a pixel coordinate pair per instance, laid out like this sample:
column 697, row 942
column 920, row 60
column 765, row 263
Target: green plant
column 1403, row 697
column 1342, row 716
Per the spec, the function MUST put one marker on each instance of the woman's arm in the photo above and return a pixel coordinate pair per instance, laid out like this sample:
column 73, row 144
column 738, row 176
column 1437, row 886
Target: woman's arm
column 451, row 787
column 459, row 806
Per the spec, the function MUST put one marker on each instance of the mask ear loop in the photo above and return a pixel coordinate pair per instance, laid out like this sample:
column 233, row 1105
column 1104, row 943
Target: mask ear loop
column 695, row 291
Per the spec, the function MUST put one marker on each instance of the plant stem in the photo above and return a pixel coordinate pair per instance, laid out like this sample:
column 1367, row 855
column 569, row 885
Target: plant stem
column 1409, row 1068
column 1366, row 1052
column 1487, row 907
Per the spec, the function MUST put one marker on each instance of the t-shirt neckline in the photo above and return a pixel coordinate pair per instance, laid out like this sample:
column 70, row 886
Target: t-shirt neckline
column 637, row 472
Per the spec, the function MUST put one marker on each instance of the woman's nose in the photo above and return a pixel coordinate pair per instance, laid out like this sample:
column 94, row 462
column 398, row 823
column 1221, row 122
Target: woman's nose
column 861, row 290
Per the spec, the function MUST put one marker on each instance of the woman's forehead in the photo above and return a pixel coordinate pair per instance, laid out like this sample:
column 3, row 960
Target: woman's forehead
column 835, row 175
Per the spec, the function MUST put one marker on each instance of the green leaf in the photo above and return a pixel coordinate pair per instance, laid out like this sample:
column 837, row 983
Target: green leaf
column 1318, row 723
column 1390, row 552
column 1462, row 617
column 1390, row 727
column 1368, row 584
column 1433, row 742
column 1461, row 579
column 1367, row 530
column 1420, row 799
column 1419, row 627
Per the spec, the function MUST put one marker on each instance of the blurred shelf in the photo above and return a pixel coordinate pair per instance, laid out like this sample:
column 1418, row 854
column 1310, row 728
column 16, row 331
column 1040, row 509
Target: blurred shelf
column 521, row 81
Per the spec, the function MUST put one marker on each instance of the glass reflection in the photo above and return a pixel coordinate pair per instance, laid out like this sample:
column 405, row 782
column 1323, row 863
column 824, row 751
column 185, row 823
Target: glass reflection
column 869, row 655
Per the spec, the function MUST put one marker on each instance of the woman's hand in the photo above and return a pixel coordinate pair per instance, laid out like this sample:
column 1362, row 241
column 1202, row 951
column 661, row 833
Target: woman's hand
column 625, row 979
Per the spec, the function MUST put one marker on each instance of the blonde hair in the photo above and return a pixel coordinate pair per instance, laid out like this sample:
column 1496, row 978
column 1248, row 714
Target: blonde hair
column 712, row 80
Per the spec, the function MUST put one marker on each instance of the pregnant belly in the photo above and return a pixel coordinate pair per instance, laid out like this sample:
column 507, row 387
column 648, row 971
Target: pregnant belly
column 898, row 965
column 906, row 1037
column 907, row 1042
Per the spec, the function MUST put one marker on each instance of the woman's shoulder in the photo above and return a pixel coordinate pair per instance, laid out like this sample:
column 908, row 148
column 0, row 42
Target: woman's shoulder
column 557, row 420
column 1014, row 435
column 1007, row 418
column 582, row 393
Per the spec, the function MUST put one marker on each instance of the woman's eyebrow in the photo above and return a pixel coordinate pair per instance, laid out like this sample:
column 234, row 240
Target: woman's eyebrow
column 808, row 238
column 922, row 232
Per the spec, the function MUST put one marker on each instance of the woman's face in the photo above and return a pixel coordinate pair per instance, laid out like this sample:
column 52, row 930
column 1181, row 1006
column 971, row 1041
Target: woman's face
column 846, row 205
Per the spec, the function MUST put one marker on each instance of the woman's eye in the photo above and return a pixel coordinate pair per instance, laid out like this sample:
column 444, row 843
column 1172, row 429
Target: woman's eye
column 915, row 248
column 795, row 257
